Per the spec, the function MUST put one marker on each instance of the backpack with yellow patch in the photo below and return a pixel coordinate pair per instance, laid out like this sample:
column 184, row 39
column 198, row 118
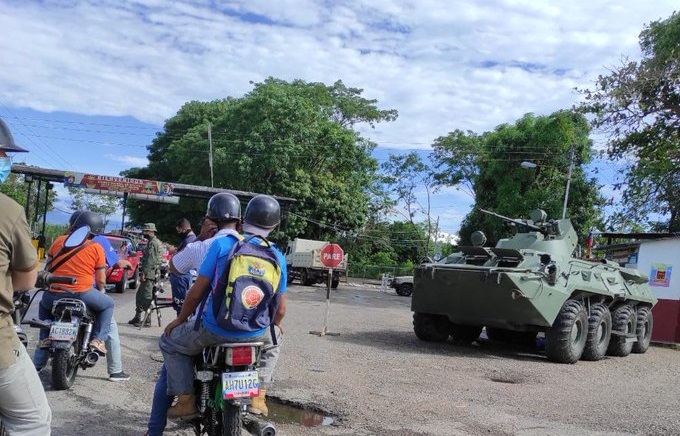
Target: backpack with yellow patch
column 246, row 295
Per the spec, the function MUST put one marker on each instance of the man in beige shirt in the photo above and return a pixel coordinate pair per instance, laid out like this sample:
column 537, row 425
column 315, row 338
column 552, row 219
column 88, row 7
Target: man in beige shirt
column 23, row 405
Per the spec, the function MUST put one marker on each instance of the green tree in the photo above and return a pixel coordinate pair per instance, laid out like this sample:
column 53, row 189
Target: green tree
column 292, row 139
column 16, row 188
column 490, row 166
column 638, row 106
column 104, row 205
column 411, row 181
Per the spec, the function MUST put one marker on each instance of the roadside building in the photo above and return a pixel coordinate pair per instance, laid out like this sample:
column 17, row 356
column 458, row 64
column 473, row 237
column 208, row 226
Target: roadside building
column 655, row 255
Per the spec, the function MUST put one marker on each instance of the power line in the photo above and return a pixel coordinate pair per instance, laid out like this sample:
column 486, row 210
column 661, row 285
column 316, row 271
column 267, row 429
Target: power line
column 47, row 148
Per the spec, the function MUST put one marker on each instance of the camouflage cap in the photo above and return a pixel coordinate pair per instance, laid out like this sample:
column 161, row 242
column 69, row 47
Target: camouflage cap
column 149, row 227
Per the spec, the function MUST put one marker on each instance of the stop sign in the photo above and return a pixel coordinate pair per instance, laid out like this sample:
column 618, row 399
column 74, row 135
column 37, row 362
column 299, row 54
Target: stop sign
column 332, row 255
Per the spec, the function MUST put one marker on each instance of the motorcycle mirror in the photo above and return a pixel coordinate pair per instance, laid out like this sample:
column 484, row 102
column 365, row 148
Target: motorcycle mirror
column 77, row 237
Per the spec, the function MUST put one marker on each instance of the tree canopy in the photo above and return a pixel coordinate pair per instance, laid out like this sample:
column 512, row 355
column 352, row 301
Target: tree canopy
column 638, row 106
column 16, row 188
column 489, row 167
column 104, row 205
column 292, row 139
column 410, row 179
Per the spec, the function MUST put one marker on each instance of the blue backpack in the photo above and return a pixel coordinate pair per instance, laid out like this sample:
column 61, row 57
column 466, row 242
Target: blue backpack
column 246, row 295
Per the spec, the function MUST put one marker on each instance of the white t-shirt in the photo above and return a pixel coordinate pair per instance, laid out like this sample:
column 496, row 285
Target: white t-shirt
column 192, row 255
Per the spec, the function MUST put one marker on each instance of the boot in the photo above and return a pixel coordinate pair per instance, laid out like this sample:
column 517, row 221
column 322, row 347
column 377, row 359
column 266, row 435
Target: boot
column 136, row 321
column 185, row 407
column 258, row 405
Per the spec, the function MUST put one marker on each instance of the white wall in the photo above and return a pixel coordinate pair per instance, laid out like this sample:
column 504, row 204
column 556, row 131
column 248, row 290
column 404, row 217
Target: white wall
column 663, row 254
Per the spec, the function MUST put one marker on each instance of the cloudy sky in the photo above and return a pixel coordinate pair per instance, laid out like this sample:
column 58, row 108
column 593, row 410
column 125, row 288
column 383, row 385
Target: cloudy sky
column 86, row 84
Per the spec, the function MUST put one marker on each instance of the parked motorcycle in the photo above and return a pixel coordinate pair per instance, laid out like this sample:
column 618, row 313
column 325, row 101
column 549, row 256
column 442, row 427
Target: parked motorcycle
column 226, row 380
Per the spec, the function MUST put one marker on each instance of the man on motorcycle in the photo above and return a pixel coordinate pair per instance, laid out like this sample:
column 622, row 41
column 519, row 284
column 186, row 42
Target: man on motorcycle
column 221, row 219
column 23, row 405
column 88, row 266
column 114, row 362
column 181, row 342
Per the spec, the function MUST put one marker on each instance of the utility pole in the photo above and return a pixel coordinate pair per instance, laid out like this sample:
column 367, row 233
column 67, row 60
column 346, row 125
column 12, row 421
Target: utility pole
column 210, row 155
column 566, row 193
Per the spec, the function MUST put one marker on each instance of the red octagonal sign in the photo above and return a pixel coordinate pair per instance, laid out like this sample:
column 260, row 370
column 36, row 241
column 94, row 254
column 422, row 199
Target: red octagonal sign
column 332, row 255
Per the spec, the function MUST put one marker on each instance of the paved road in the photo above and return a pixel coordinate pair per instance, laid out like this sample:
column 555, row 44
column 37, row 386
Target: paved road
column 377, row 378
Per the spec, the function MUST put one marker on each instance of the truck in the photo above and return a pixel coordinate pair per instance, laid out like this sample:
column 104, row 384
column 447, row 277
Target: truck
column 402, row 284
column 531, row 282
column 304, row 263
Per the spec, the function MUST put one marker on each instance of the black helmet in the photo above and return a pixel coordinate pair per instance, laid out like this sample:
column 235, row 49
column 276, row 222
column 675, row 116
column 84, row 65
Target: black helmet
column 6, row 141
column 224, row 207
column 74, row 217
column 263, row 211
column 87, row 218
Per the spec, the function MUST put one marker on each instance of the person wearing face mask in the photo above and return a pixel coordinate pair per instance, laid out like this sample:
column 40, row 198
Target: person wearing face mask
column 24, row 409
column 148, row 269
column 180, row 282
column 7, row 145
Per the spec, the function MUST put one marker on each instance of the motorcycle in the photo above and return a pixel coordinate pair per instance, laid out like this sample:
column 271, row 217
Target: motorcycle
column 226, row 379
column 70, row 332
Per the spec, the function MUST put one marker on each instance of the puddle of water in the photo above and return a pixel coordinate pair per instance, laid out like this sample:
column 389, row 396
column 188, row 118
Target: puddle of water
column 288, row 414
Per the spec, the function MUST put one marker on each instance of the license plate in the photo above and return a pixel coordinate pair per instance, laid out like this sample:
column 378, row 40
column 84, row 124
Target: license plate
column 240, row 385
column 63, row 331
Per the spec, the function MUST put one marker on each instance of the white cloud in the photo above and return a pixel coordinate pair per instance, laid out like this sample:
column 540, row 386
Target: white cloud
column 442, row 65
column 133, row 161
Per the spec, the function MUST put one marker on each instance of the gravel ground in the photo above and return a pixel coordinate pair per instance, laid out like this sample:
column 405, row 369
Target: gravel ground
column 376, row 377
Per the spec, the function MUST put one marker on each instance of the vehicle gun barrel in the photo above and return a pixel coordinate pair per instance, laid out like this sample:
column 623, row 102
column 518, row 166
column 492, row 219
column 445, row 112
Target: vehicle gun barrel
column 512, row 220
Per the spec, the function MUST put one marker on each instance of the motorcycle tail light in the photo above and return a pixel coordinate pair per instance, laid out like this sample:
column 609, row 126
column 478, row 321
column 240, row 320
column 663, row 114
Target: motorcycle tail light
column 237, row 356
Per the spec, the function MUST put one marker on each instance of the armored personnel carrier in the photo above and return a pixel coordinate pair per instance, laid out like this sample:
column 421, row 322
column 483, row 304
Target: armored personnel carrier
column 531, row 283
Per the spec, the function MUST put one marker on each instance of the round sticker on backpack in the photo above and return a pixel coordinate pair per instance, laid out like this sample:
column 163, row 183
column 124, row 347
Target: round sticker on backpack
column 251, row 296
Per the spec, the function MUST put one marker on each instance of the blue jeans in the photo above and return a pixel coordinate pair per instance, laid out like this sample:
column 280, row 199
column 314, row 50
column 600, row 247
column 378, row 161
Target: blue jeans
column 114, row 363
column 160, row 405
column 180, row 284
column 99, row 302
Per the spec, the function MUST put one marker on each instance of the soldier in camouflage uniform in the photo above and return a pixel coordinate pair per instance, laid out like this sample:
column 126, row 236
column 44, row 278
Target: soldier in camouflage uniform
column 148, row 272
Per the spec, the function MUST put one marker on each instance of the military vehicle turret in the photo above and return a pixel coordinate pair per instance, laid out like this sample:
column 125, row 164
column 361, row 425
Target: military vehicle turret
column 531, row 283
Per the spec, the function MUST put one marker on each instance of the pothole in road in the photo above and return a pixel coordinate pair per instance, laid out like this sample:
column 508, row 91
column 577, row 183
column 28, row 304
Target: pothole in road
column 507, row 380
column 287, row 413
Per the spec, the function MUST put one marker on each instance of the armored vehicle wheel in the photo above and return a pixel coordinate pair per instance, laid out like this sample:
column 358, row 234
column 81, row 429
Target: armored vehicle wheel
column 643, row 331
column 566, row 339
column 465, row 333
column 429, row 327
column 405, row 289
column 623, row 321
column 599, row 332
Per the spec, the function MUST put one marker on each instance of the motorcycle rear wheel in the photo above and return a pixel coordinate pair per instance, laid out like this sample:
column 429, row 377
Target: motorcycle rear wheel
column 231, row 420
column 64, row 368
